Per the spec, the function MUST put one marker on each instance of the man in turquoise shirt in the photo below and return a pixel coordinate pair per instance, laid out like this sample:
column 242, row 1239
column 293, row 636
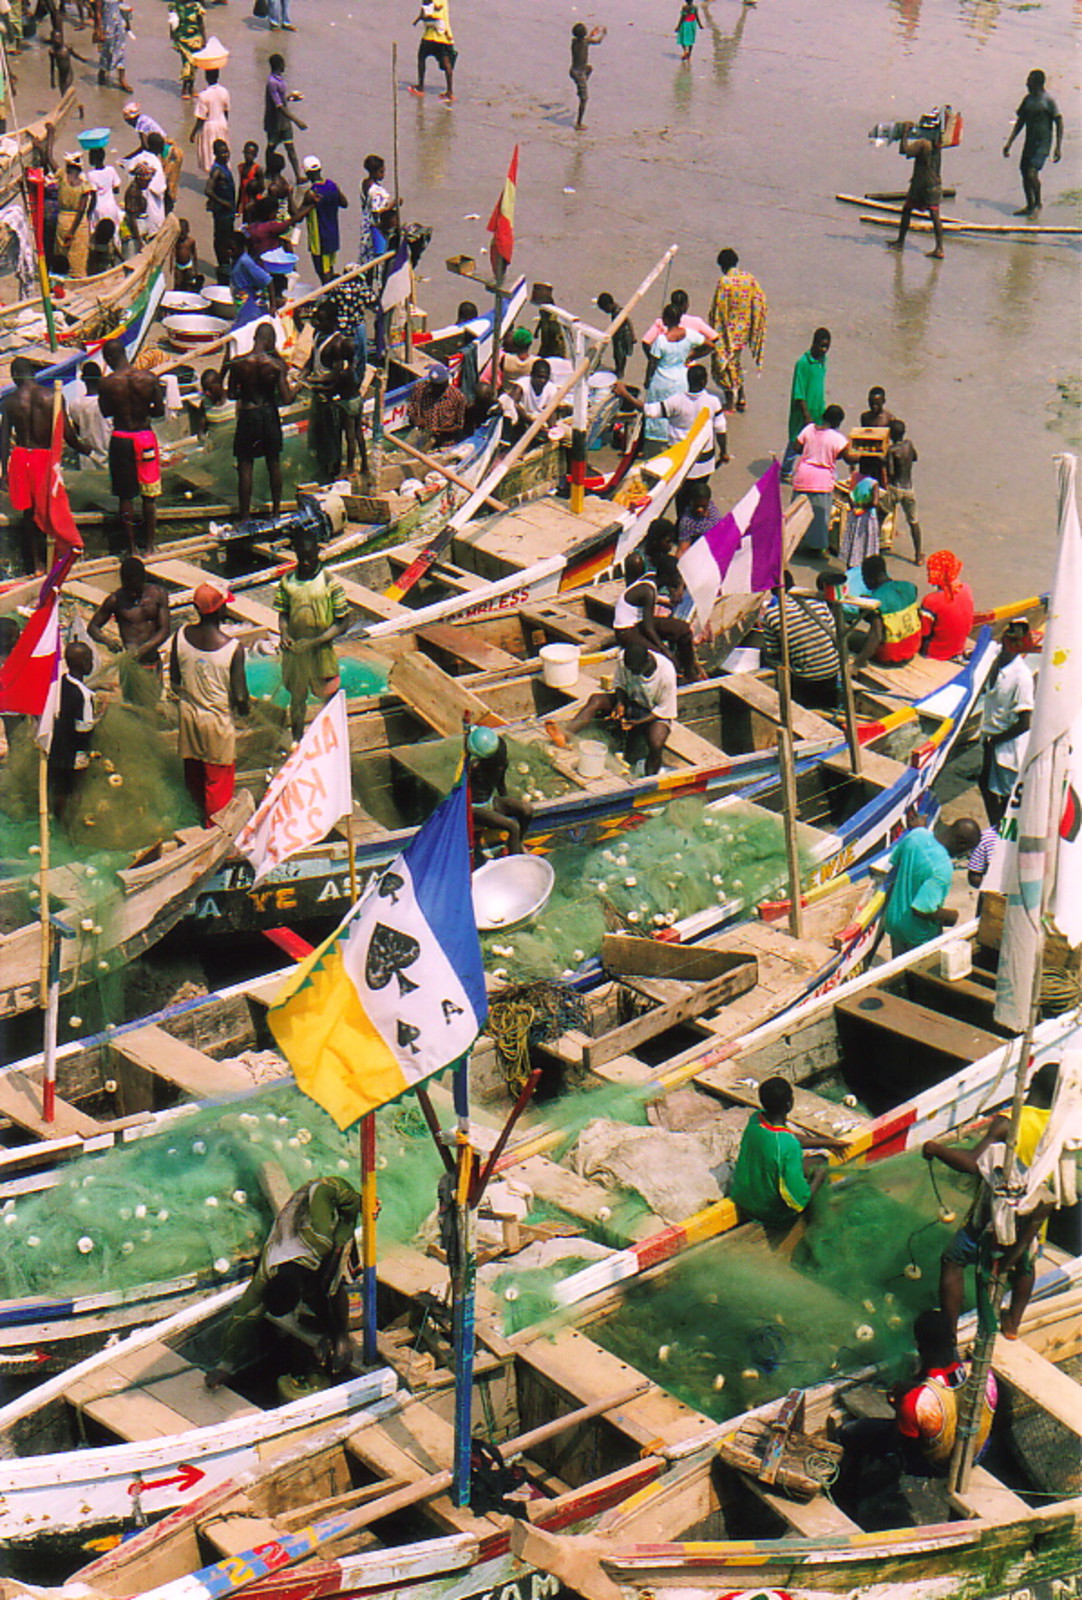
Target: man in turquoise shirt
column 922, row 871
column 808, row 395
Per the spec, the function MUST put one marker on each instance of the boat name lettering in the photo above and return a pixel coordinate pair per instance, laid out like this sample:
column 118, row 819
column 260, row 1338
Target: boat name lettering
column 499, row 602
column 535, row 1587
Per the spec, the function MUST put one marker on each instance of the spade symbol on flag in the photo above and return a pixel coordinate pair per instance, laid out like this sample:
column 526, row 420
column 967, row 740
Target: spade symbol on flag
column 406, row 1035
column 389, row 953
column 390, row 884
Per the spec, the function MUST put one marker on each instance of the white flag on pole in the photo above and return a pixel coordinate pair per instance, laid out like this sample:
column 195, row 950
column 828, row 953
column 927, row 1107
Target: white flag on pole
column 309, row 795
column 1046, row 809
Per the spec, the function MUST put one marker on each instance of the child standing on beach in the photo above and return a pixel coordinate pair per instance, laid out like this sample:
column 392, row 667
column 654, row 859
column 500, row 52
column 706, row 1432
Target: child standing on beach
column 687, row 28
column 581, row 40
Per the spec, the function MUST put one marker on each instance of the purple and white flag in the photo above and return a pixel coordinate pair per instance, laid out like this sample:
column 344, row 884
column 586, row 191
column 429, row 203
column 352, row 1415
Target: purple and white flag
column 741, row 554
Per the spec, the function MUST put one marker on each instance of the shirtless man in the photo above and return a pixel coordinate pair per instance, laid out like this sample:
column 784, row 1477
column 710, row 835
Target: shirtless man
column 924, row 149
column 132, row 398
column 26, row 433
column 140, row 610
column 259, row 383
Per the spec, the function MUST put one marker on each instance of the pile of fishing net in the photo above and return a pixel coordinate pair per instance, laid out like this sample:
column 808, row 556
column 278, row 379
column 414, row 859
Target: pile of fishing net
column 731, row 1324
column 528, row 1014
column 675, row 864
column 188, row 1199
column 131, row 795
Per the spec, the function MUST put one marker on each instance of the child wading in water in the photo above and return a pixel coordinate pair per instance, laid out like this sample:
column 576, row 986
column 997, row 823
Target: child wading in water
column 581, row 40
column 687, row 28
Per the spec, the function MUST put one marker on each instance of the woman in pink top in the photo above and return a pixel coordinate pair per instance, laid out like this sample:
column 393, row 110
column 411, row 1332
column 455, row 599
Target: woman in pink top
column 822, row 444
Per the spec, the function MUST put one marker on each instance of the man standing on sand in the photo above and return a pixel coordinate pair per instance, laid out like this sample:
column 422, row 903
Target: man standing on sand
column 278, row 120
column 926, row 182
column 140, row 610
column 807, row 396
column 581, row 40
column 259, row 383
column 26, row 459
column 437, row 43
column 1039, row 117
column 206, row 671
column 131, row 398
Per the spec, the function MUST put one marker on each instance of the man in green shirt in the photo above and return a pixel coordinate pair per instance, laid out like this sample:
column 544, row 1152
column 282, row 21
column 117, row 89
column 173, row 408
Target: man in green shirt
column 808, row 395
column 770, row 1180
column 314, row 610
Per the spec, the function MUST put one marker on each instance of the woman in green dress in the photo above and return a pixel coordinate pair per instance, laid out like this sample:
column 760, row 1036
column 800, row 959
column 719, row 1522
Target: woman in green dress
column 188, row 34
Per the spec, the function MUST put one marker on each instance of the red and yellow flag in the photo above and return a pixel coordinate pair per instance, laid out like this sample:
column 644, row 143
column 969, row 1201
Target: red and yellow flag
column 501, row 224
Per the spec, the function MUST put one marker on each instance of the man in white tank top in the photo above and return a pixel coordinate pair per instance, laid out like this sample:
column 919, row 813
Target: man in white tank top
column 206, row 670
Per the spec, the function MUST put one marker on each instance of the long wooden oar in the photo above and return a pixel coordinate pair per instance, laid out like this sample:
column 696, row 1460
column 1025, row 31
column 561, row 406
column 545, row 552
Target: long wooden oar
column 432, row 552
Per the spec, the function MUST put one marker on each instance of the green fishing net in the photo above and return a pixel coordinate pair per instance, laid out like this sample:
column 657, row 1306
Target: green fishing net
column 688, row 859
column 730, row 1324
column 188, row 1199
column 264, row 675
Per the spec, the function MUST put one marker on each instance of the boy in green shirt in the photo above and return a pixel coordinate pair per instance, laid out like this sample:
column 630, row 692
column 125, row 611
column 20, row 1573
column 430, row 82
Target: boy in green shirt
column 770, row 1180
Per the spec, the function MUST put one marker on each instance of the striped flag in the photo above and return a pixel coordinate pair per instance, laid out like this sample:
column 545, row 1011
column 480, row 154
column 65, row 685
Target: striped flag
column 33, row 667
column 398, row 992
column 501, row 224
column 1042, row 863
column 398, row 286
column 741, row 554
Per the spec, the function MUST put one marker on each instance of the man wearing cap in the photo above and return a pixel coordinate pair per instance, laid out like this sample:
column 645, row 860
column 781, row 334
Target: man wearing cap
column 517, row 361
column 131, row 397
column 313, row 609
column 492, row 806
column 1008, row 710
column 144, row 125
column 436, row 407
column 259, row 383
column 206, row 671
column 319, row 205
column 926, row 182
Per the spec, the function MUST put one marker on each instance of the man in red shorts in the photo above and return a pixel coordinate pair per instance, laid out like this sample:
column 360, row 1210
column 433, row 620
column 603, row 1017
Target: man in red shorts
column 26, row 452
column 131, row 398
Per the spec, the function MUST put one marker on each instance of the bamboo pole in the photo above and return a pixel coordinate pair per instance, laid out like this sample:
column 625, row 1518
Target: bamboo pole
column 991, row 228
column 369, row 1194
column 849, row 708
column 48, row 1093
column 463, row 1293
column 517, row 451
column 445, row 472
column 786, row 771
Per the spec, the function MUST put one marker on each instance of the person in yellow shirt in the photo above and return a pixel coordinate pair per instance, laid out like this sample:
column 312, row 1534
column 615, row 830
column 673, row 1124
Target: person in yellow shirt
column 1016, row 1262
column 437, row 44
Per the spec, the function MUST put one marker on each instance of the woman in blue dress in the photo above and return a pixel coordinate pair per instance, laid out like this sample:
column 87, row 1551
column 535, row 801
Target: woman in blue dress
column 668, row 374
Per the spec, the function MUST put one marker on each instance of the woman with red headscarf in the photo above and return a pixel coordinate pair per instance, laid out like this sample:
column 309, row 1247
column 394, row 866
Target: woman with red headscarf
column 946, row 614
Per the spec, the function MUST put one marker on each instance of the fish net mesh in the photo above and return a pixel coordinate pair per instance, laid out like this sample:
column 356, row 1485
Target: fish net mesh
column 731, row 1324
column 188, row 1199
column 689, row 859
column 1045, row 1447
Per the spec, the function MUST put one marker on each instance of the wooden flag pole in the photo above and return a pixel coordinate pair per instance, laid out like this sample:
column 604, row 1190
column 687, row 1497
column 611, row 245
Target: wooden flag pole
column 369, row 1192
column 462, row 1287
column 50, row 978
column 786, row 771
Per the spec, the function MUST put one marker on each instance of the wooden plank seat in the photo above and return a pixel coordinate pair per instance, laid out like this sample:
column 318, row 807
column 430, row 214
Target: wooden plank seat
column 985, row 1497
column 562, row 624
column 20, row 1103
column 162, row 1056
column 814, row 1519
column 153, row 1393
column 878, row 1011
column 456, row 648
column 1056, row 1393
column 371, row 600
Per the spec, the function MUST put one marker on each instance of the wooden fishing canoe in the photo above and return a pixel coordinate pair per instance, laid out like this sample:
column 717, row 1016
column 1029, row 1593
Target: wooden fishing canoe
column 144, row 900
column 17, row 148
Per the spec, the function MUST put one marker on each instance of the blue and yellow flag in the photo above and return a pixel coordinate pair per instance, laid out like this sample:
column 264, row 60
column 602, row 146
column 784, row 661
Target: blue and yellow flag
column 398, row 992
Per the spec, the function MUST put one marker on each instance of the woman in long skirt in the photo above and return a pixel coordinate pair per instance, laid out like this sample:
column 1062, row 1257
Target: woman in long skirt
column 861, row 536
column 211, row 111
column 111, row 32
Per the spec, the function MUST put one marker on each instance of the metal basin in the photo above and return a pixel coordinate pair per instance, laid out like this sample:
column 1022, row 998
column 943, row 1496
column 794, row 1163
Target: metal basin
column 189, row 331
column 177, row 300
column 511, row 890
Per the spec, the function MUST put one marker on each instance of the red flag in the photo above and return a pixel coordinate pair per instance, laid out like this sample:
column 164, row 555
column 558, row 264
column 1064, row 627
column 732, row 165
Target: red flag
column 54, row 516
column 28, row 673
column 501, row 224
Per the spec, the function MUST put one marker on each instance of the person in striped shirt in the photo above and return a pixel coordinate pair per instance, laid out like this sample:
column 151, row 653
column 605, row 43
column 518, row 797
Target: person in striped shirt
column 813, row 650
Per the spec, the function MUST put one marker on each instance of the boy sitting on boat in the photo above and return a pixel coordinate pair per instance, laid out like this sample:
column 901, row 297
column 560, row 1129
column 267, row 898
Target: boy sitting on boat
column 773, row 1181
column 919, row 1437
column 642, row 704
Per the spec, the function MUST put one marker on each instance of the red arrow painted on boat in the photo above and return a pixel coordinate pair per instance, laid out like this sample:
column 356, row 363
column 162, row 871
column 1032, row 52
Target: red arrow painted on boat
column 186, row 1478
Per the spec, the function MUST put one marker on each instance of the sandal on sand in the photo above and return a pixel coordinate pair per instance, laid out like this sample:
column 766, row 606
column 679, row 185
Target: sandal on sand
column 556, row 735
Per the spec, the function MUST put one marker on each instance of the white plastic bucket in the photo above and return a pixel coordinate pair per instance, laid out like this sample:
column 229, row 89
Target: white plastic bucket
column 591, row 762
column 560, row 665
